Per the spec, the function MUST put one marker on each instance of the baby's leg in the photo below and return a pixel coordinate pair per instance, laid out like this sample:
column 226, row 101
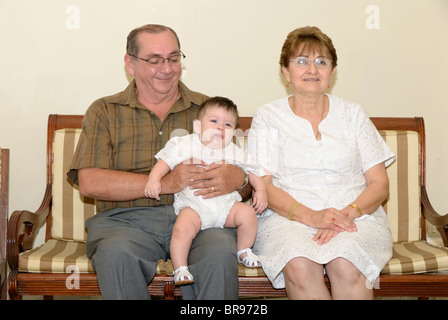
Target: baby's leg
column 186, row 227
column 243, row 217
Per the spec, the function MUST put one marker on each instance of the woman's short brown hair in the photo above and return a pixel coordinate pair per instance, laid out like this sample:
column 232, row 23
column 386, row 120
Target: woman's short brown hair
column 307, row 40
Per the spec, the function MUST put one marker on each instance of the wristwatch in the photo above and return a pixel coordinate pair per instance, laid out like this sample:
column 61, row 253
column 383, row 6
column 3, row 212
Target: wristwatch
column 246, row 180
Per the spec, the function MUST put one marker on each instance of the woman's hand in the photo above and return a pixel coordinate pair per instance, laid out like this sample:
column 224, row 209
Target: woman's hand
column 330, row 222
column 324, row 235
column 333, row 219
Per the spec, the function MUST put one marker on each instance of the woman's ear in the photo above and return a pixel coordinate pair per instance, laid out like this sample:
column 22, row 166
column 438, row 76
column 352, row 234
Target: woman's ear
column 286, row 73
column 197, row 126
column 333, row 71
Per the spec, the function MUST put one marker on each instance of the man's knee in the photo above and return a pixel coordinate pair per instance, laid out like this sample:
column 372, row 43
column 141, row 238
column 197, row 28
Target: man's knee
column 113, row 246
column 218, row 244
column 124, row 249
column 213, row 262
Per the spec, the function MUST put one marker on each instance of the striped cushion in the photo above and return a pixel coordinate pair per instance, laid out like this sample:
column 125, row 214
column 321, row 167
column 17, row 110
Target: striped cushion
column 408, row 258
column 416, row 257
column 403, row 205
column 58, row 256
column 250, row 272
column 70, row 209
column 410, row 253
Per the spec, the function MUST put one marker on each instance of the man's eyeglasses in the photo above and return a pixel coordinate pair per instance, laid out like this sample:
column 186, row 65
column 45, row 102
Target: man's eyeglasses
column 158, row 61
column 304, row 62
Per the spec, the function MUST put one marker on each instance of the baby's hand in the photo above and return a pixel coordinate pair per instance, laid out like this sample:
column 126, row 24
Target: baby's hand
column 152, row 189
column 260, row 201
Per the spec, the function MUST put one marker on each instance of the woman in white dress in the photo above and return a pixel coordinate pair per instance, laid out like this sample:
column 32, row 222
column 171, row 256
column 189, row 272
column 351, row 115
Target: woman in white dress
column 328, row 181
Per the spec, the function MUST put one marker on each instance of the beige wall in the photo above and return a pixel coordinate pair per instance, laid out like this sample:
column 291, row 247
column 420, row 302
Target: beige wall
column 58, row 56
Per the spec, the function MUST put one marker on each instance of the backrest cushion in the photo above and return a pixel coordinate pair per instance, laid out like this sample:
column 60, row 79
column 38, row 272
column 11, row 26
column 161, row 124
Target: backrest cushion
column 70, row 209
column 403, row 204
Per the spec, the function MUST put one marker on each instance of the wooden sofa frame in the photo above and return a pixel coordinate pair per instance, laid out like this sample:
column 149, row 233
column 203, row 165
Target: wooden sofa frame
column 4, row 198
column 23, row 227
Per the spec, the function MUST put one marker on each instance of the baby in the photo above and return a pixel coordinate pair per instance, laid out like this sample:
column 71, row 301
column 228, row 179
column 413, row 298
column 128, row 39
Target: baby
column 211, row 142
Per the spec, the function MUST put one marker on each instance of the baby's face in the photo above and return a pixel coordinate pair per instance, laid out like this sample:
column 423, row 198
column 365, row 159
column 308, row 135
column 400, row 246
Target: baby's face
column 216, row 127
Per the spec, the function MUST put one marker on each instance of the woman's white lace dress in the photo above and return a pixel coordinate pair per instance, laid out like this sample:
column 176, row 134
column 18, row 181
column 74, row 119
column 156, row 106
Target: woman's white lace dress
column 320, row 174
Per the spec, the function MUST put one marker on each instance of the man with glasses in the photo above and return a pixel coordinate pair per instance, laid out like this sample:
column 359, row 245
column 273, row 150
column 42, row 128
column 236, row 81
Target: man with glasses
column 121, row 134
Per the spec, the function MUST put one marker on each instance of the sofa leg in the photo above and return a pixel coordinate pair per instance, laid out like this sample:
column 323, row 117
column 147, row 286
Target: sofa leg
column 169, row 290
column 12, row 286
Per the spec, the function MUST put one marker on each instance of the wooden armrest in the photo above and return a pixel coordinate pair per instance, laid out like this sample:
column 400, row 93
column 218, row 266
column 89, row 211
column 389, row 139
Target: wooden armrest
column 23, row 227
column 2, row 269
column 436, row 219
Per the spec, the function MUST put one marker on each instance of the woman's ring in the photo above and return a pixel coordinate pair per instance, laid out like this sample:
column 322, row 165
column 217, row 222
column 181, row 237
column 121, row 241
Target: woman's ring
column 333, row 220
column 213, row 189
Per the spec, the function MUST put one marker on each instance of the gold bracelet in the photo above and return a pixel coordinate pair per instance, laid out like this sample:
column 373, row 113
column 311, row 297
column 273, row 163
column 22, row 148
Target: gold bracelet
column 354, row 205
column 291, row 211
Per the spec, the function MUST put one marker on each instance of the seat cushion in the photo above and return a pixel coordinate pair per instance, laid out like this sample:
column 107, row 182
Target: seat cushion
column 417, row 257
column 56, row 256
column 249, row 272
column 408, row 258
column 59, row 256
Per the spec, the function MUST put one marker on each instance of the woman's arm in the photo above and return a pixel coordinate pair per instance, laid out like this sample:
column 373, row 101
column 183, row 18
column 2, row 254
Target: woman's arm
column 281, row 202
column 373, row 195
column 368, row 201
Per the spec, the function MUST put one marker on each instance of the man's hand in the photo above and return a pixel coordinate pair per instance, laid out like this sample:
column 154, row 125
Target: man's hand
column 217, row 179
column 181, row 176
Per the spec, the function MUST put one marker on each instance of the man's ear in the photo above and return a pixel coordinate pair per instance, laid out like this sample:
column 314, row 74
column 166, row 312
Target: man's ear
column 197, row 126
column 129, row 64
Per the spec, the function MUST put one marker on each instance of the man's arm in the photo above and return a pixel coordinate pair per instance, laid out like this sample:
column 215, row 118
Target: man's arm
column 111, row 185
column 114, row 185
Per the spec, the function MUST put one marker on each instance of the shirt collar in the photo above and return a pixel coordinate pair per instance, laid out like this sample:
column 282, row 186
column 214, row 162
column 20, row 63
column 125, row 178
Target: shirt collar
column 187, row 98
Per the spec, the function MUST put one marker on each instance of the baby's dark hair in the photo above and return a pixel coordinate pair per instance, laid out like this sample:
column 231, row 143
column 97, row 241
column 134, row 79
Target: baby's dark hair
column 222, row 102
